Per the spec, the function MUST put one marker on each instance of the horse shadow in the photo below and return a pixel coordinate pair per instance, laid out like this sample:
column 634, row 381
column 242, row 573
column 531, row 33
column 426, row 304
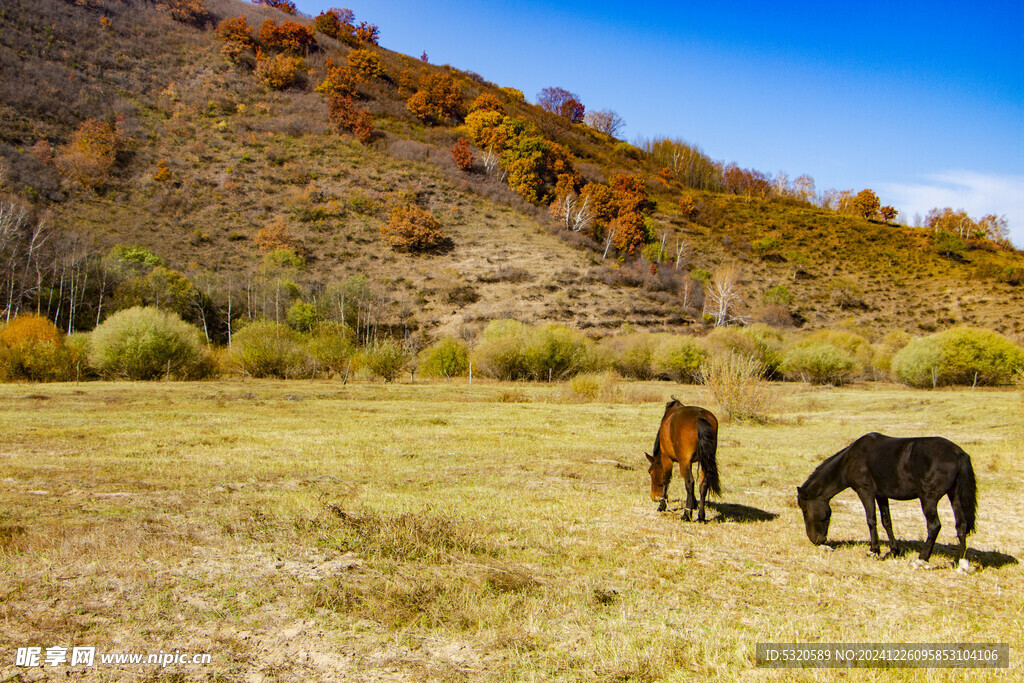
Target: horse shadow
column 985, row 558
column 733, row 512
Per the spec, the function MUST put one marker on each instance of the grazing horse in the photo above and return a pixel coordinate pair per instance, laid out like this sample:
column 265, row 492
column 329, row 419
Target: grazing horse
column 687, row 434
column 881, row 467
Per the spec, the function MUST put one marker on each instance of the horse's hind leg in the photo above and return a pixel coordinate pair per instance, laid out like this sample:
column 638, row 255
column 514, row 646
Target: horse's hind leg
column 691, row 501
column 961, row 526
column 883, row 511
column 931, row 515
column 703, row 496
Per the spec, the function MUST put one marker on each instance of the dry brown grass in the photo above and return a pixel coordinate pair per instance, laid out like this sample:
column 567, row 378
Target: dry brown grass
column 308, row 530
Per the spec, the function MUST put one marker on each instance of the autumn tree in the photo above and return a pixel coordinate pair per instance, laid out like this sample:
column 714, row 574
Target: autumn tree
column 237, row 36
column 723, row 295
column 563, row 103
column 606, row 121
column 632, row 206
column 687, row 208
column 439, row 97
column 339, row 80
column 351, row 118
column 286, row 6
column 192, row 12
column 866, row 204
column 411, row 228
column 367, row 63
column 888, row 213
column 368, row 33
column 90, row 155
column 487, row 102
column 287, row 37
column 337, row 23
column 280, row 71
column 462, row 155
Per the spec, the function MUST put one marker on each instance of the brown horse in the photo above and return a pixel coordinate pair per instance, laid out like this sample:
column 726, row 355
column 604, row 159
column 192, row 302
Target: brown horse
column 687, row 434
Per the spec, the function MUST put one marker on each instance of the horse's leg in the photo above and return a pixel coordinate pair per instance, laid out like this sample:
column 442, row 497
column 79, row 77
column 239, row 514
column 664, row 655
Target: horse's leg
column 961, row 527
column 703, row 495
column 883, row 511
column 868, row 499
column 931, row 514
column 691, row 501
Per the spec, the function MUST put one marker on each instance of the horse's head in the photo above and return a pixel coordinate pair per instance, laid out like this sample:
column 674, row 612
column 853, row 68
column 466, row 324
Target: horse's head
column 817, row 514
column 660, row 476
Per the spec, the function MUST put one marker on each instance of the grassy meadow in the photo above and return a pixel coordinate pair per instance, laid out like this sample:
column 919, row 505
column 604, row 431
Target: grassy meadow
column 493, row 532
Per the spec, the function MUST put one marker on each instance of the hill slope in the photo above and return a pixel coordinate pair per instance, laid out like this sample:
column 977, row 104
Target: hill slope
column 209, row 157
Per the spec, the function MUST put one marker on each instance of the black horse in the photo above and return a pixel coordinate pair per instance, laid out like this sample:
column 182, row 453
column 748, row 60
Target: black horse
column 881, row 467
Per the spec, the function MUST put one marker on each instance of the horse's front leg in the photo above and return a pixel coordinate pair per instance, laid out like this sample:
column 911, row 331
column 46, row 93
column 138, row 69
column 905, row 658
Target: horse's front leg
column 691, row 500
column 868, row 499
column 883, row 510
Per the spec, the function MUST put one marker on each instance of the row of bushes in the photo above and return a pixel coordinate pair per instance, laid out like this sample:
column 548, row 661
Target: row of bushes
column 144, row 343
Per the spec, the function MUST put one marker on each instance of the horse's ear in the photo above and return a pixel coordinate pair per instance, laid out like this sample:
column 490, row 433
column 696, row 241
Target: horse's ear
column 650, row 458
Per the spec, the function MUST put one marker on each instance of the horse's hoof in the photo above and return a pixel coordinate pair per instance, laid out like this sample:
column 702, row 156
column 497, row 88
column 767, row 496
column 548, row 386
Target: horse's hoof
column 918, row 563
column 873, row 554
column 662, row 506
column 964, row 567
column 826, row 548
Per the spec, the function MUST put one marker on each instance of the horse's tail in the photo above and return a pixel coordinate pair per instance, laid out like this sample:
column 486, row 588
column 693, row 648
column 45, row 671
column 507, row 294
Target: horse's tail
column 707, row 445
column 966, row 489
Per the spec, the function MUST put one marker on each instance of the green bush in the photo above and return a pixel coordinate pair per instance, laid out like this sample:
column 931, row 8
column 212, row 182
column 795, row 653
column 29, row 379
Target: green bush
column 269, row 349
column 145, row 343
column 760, row 342
column 32, row 348
column 631, row 355
column 958, row 356
column 330, row 348
column 779, row 295
column 302, row 316
column 680, row 358
column 885, row 350
column 387, row 359
column 447, row 357
column 589, row 387
column 852, row 344
column 818, row 362
column 501, row 353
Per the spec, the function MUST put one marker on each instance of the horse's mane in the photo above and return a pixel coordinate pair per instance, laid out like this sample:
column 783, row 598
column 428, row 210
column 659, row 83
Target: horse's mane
column 825, row 468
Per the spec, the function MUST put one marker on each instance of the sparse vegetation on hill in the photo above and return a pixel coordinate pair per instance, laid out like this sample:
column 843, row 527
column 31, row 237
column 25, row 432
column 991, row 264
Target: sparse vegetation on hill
column 212, row 142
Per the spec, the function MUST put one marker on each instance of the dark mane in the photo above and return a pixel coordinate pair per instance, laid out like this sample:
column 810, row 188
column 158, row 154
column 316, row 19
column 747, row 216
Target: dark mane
column 824, row 469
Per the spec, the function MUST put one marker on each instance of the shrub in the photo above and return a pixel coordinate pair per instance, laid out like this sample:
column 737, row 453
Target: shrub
column 32, row 348
column 351, row 118
column 412, row 228
column 462, row 155
column 89, row 158
column 439, row 97
column 387, row 359
column 889, row 346
column 487, row 102
column 367, row 63
column 778, row 295
column 330, row 347
column 962, row 355
column 852, row 344
column 734, row 382
column 589, row 387
column 302, row 316
column 145, row 343
column 554, row 352
column 759, row 342
column 280, row 71
column 447, row 357
column 631, row 355
column 501, row 352
column 680, row 358
column 269, row 349
column 818, row 363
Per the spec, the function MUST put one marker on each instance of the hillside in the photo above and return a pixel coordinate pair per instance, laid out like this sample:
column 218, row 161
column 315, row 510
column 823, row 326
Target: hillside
column 208, row 157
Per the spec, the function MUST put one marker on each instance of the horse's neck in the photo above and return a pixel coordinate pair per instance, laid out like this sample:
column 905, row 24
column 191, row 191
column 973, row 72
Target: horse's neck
column 829, row 479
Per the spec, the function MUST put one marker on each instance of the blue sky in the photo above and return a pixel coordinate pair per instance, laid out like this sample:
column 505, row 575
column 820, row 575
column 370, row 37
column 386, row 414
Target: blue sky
column 921, row 101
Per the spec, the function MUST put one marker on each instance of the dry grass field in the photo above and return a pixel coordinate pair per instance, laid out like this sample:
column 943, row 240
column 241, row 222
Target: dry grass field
column 494, row 532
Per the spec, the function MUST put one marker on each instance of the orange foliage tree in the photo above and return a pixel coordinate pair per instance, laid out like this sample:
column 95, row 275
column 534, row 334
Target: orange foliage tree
column 487, row 102
column 286, row 6
column 186, row 11
column 629, row 197
column 439, row 97
column 337, row 24
column 90, row 156
column 339, row 80
column 366, row 62
column 368, row 33
column 462, row 155
column 280, row 71
column 275, row 235
column 237, row 36
column 412, row 228
column 866, row 204
column 288, row 37
column 349, row 117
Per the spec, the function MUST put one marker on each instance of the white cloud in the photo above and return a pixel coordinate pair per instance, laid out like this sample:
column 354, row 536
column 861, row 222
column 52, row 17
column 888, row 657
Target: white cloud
column 976, row 193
